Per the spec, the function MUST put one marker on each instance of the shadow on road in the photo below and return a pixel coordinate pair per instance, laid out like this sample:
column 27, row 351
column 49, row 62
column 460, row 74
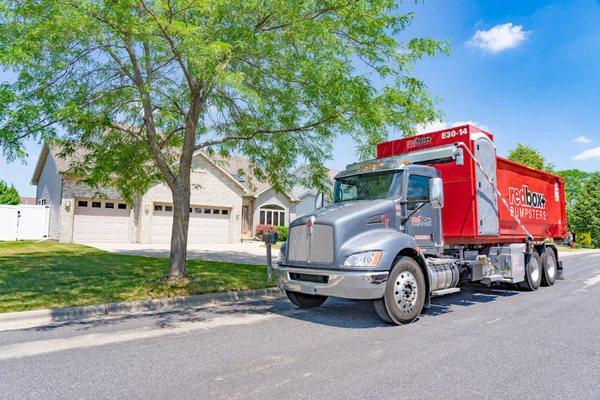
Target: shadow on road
column 340, row 313
column 468, row 296
column 359, row 314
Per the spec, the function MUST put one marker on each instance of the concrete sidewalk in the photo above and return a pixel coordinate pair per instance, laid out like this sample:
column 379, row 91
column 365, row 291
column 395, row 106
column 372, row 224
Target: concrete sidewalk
column 244, row 253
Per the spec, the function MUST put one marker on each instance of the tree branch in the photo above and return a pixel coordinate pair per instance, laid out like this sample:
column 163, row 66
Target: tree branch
column 258, row 132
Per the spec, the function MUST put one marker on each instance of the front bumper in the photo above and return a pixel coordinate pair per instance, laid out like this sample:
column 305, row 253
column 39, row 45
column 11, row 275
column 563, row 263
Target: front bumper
column 362, row 285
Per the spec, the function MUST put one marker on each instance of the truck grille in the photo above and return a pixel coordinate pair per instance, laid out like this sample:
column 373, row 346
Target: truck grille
column 318, row 248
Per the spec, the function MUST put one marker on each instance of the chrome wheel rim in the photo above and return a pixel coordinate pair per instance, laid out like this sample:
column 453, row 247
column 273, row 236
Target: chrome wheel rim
column 535, row 269
column 406, row 291
column 551, row 268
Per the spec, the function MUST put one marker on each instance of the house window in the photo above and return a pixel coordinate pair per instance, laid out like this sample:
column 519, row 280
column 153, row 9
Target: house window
column 225, row 212
column 96, row 204
column 169, row 208
column 109, row 205
column 122, row 206
column 157, row 207
column 207, row 211
column 82, row 203
column 272, row 215
column 198, row 210
column 216, row 211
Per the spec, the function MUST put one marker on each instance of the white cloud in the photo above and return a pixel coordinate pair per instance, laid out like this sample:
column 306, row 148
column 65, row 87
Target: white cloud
column 499, row 38
column 593, row 153
column 582, row 140
column 439, row 125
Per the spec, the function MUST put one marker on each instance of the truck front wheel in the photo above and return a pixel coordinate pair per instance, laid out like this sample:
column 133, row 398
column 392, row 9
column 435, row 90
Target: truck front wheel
column 533, row 273
column 305, row 300
column 404, row 293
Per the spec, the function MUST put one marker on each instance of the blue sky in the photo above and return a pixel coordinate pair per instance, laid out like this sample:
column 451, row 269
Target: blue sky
column 529, row 71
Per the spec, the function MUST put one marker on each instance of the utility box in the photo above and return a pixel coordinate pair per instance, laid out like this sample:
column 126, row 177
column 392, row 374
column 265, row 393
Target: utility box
column 473, row 213
column 509, row 260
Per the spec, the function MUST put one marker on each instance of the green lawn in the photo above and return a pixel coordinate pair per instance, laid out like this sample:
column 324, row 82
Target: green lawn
column 49, row 274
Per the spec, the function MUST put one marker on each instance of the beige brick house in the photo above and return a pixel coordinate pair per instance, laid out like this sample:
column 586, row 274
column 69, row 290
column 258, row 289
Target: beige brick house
column 225, row 208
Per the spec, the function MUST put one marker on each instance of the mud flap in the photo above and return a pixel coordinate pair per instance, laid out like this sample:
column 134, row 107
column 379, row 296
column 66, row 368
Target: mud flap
column 427, row 301
column 559, row 271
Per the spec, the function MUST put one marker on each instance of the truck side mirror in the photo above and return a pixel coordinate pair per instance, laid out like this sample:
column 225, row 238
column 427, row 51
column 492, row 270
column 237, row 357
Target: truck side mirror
column 319, row 200
column 436, row 192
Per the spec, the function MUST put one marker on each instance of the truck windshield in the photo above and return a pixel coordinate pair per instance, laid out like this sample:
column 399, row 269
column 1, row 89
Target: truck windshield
column 370, row 186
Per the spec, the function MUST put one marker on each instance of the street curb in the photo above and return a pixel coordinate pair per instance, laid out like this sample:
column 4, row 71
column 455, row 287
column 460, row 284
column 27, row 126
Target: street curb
column 37, row 318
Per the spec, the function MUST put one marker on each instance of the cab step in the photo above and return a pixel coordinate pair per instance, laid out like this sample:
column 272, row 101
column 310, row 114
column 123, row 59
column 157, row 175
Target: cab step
column 443, row 292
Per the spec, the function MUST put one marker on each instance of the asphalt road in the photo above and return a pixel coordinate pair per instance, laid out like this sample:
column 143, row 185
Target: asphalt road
column 478, row 344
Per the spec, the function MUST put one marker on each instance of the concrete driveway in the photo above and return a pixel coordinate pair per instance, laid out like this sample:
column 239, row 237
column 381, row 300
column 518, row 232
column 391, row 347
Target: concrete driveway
column 244, row 253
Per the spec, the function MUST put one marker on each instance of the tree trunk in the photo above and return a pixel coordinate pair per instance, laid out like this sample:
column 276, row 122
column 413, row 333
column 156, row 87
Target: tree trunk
column 181, row 190
column 179, row 233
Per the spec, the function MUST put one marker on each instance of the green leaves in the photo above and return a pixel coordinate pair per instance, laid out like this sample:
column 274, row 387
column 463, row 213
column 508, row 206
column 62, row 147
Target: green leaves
column 8, row 194
column 585, row 216
column 529, row 156
column 275, row 80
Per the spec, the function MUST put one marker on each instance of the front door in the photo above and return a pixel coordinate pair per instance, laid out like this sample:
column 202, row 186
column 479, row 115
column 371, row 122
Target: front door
column 423, row 222
column 245, row 220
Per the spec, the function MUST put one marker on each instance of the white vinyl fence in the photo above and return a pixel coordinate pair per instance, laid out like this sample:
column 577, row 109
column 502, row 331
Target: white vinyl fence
column 24, row 222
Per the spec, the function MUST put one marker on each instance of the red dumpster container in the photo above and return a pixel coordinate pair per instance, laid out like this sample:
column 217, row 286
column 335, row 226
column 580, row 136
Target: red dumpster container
column 473, row 213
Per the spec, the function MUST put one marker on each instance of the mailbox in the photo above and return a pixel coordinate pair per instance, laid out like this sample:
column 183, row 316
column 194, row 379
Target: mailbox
column 270, row 237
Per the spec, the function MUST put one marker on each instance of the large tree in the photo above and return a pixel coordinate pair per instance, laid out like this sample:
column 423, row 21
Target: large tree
column 575, row 180
column 8, row 194
column 143, row 84
column 586, row 211
column 529, row 156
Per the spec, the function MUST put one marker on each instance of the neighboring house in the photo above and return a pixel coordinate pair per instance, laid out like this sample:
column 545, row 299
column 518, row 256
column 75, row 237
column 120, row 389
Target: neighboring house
column 306, row 196
column 225, row 207
column 27, row 200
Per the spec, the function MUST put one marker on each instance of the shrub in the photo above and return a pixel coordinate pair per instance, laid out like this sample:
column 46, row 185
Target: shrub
column 584, row 239
column 262, row 229
column 282, row 231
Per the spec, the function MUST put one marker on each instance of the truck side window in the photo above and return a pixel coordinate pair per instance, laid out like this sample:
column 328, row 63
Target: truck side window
column 418, row 190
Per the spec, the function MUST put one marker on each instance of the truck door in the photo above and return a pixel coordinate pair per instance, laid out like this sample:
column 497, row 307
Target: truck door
column 424, row 223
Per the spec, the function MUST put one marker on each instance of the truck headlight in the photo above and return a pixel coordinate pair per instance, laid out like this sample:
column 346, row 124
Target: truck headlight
column 364, row 259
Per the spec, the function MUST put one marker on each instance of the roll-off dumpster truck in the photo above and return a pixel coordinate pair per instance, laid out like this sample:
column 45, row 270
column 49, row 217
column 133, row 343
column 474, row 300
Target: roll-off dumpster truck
column 430, row 214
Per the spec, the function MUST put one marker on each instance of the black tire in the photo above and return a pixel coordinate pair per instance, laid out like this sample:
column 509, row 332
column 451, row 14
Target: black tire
column 533, row 273
column 404, row 293
column 381, row 312
column 305, row 300
column 549, row 266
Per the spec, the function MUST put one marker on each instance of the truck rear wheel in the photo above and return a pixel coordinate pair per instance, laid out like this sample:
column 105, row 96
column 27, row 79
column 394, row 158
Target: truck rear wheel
column 404, row 293
column 533, row 273
column 305, row 300
column 549, row 267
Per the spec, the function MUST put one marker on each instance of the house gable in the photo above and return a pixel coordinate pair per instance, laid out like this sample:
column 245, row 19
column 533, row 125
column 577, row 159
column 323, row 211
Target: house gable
column 49, row 190
column 270, row 197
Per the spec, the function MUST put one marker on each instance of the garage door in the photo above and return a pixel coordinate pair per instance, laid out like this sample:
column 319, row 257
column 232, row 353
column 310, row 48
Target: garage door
column 101, row 221
column 207, row 224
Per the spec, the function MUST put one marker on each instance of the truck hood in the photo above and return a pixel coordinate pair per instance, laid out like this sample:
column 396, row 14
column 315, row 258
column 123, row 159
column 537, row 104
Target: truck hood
column 350, row 220
column 348, row 215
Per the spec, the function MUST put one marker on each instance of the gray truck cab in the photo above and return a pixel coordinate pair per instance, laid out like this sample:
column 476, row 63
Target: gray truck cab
column 381, row 215
column 382, row 239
